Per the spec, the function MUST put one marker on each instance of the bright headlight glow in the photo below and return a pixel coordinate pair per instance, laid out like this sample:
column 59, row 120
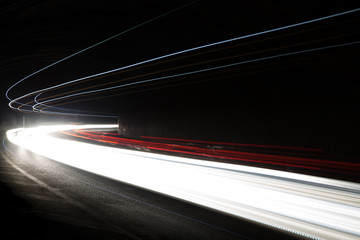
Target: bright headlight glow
column 312, row 206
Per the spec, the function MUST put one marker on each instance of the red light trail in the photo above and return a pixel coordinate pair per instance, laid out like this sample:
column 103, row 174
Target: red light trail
column 249, row 154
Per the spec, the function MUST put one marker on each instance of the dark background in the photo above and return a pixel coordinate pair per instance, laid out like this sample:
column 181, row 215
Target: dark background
column 305, row 100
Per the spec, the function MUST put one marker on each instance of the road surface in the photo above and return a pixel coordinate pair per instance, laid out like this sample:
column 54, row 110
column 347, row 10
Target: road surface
column 219, row 200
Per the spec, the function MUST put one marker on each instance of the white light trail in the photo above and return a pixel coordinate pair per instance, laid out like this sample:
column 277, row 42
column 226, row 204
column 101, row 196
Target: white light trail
column 312, row 206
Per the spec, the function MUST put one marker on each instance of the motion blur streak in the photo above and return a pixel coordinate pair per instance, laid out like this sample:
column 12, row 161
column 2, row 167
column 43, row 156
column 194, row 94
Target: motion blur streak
column 95, row 45
column 311, row 206
column 17, row 100
column 188, row 73
column 233, row 144
column 347, row 170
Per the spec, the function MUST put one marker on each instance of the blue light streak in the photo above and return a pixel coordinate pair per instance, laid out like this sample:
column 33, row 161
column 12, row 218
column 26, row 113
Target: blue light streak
column 88, row 48
column 166, row 56
column 192, row 72
column 67, row 109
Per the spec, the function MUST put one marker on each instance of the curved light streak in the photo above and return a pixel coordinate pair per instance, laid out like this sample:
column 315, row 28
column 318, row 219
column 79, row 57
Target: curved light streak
column 320, row 165
column 314, row 207
column 85, row 49
column 66, row 109
column 164, row 56
column 189, row 73
column 169, row 69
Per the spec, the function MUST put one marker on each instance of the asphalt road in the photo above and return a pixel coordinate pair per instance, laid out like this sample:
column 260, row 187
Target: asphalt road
column 44, row 199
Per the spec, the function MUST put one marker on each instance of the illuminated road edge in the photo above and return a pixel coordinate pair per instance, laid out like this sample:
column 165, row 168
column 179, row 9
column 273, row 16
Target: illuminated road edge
column 311, row 206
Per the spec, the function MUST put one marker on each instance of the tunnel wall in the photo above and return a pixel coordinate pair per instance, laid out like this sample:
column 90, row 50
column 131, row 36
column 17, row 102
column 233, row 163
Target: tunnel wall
column 332, row 129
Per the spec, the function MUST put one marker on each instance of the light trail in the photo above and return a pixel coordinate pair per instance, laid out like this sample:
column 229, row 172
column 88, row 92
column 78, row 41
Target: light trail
column 17, row 100
column 234, row 144
column 311, row 206
column 189, row 73
column 280, row 157
column 40, row 104
column 85, row 49
column 66, row 109
column 179, row 66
